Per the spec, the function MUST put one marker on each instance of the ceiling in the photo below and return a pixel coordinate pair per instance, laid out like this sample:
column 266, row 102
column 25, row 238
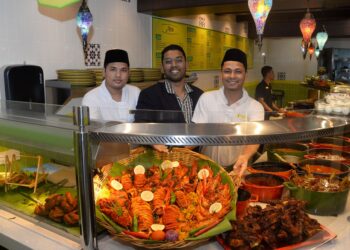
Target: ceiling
column 283, row 20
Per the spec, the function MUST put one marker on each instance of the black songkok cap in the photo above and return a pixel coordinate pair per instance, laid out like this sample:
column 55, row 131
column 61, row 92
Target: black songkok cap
column 235, row 55
column 116, row 55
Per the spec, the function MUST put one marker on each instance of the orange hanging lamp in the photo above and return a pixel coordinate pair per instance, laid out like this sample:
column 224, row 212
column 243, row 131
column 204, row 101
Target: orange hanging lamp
column 311, row 49
column 307, row 26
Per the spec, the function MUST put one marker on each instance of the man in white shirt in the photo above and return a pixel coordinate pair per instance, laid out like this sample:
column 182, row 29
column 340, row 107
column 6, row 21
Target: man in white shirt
column 113, row 99
column 231, row 103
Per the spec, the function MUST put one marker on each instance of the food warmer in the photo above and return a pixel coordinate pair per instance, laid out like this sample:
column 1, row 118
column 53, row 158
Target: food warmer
column 87, row 145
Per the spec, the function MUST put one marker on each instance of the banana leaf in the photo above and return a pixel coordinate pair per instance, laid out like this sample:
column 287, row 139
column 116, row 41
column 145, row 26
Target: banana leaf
column 222, row 227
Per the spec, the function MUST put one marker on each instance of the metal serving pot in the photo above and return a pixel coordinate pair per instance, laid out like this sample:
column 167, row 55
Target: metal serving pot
column 319, row 203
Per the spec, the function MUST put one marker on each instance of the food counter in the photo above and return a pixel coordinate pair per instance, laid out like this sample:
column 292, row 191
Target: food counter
column 54, row 136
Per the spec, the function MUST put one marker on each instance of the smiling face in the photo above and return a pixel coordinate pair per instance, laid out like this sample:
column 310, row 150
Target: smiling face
column 174, row 66
column 233, row 75
column 116, row 75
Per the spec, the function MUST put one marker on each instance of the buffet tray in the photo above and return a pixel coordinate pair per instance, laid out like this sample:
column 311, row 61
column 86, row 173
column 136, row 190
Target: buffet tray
column 320, row 238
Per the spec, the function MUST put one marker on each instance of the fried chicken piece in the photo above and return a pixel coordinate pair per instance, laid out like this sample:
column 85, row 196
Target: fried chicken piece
column 40, row 210
column 56, row 214
column 72, row 218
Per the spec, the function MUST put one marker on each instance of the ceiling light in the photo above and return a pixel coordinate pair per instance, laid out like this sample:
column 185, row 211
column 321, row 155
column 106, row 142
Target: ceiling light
column 307, row 26
column 260, row 10
column 84, row 21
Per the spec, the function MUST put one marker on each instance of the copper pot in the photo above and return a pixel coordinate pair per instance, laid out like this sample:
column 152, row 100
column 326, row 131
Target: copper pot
column 265, row 186
column 270, row 167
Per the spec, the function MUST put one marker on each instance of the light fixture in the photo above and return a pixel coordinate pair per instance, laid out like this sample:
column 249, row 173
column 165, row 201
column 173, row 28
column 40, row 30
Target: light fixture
column 84, row 21
column 321, row 38
column 317, row 52
column 311, row 49
column 303, row 48
column 260, row 10
column 307, row 26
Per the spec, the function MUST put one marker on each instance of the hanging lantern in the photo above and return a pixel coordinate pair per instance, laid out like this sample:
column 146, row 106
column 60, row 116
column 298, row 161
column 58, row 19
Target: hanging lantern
column 84, row 22
column 304, row 46
column 317, row 52
column 321, row 38
column 307, row 26
column 311, row 49
column 260, row 10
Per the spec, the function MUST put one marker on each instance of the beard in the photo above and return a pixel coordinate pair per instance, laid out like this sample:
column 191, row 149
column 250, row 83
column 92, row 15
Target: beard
column 174, row 77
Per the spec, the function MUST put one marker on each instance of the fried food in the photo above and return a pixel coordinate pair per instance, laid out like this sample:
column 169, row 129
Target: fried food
column 279, row 224
column 60, row 208
column 178, row 197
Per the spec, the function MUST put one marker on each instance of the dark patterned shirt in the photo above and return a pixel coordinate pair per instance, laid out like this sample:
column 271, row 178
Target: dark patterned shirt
column 185, row 104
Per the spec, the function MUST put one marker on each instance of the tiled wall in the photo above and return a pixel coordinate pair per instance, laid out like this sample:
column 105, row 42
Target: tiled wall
column 49, row 37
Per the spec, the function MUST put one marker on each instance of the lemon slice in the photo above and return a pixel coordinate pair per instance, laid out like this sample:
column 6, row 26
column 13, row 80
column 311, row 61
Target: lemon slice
column 157, row 227
column 166, row 164
column 147, row 196
column 116, row 185
column 175, row 164
column 215, row 207
column 203, row 173
column 139, row 169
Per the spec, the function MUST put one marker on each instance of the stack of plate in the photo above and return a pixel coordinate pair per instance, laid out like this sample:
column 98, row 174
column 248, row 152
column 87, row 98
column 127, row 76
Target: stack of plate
column 152, row 74
column 136, row 75
column 77, row 77
column 98, row 72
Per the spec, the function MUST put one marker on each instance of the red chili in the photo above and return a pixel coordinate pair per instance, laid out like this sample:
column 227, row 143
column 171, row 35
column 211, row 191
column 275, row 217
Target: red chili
column 140, row 235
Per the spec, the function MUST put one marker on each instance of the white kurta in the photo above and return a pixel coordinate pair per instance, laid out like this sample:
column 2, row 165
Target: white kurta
column 103, row 107
column 212, row 107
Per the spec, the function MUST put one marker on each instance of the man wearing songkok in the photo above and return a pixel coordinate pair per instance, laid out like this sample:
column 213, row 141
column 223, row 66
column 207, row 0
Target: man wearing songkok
column 230, row 104
column 114, row 98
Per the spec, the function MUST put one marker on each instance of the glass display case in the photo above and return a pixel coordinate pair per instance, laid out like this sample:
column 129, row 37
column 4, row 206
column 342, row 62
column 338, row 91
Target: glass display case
column 78, row 150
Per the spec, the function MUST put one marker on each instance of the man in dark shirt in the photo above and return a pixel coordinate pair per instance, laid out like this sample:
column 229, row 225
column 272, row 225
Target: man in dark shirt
column 172, row 94
column 263, row 91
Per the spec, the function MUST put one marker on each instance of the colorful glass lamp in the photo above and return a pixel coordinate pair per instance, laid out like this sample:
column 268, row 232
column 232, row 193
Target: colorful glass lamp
column 311, row 49
column 307, row 26
column 321, row 38
column 57, row 3
column 84, row 21
column 317, row 52
column 304, row 48
column 260, row 9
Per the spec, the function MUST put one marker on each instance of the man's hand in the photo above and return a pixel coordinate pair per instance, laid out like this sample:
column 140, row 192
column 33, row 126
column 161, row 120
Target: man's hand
column 242, row 161
column 161, row 148
column 240, row 165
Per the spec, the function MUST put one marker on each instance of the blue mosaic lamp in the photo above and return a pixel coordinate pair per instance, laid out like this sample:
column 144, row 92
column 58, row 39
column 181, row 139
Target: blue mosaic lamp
column 84, row 21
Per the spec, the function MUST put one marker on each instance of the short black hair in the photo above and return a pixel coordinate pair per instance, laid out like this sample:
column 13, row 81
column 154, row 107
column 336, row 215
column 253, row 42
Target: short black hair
column 173, row 47
column 265, row 70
